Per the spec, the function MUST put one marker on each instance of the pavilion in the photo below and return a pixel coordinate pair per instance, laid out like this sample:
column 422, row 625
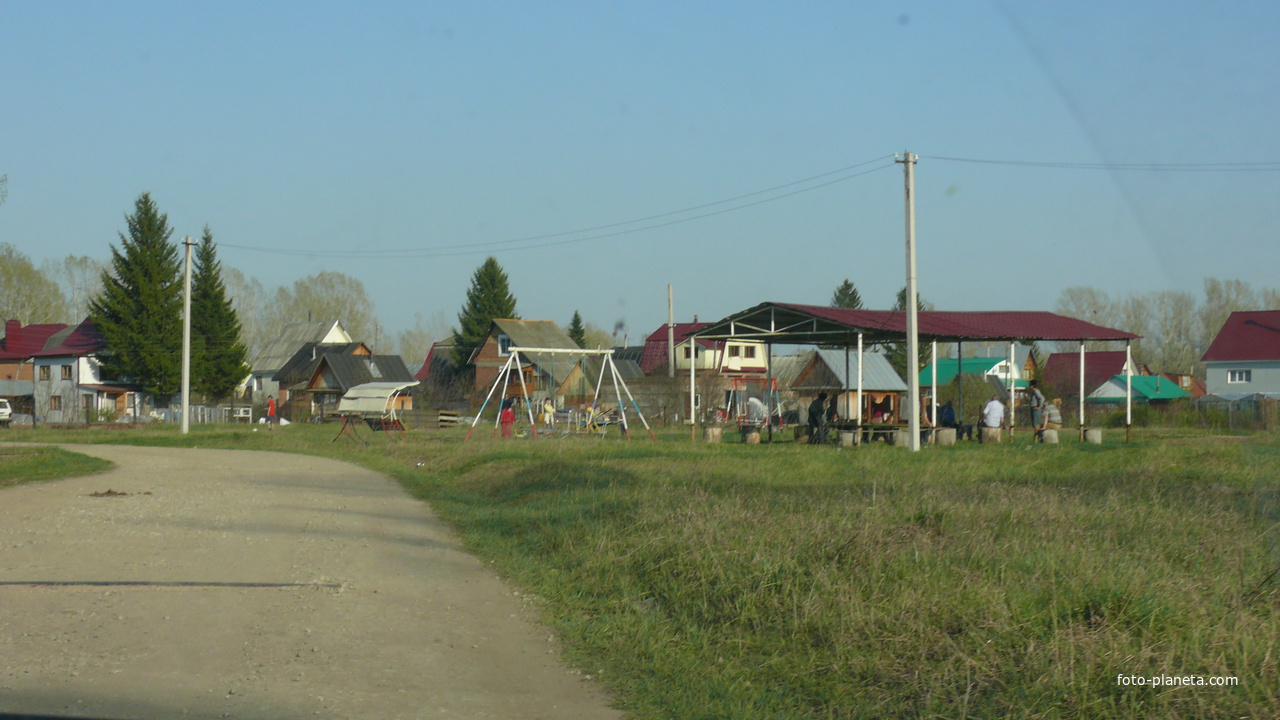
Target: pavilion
column 790, row 324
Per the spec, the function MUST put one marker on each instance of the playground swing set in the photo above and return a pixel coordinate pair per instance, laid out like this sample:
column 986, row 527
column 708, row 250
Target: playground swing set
column 595, row 420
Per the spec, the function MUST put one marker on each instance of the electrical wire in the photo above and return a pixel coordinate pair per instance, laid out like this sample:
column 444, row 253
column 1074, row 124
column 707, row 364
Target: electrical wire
column 1148, row 167
column 642, row 224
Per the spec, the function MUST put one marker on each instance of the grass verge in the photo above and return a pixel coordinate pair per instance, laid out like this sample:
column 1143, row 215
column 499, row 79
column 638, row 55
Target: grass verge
column 730, row 581
column 21, row 465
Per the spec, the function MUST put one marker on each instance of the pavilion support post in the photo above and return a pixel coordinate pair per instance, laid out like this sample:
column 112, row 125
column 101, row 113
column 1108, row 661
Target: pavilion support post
column 768, row 389
column 693, row 396
column 960, row 380
column 1128, row 390
column 858, row 434
column 1081, row 391
column 933, row 397
column 1012, row 397
column 848, row 411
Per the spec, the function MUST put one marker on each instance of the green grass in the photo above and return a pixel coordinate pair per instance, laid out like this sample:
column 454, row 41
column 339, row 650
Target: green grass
column 784, row 581
column 21, row 465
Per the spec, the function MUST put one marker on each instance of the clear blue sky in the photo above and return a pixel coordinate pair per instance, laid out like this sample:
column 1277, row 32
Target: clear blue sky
column 389, row 131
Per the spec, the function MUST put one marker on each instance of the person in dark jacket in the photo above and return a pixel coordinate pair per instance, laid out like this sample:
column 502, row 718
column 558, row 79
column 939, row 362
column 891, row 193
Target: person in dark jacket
column 817, row 420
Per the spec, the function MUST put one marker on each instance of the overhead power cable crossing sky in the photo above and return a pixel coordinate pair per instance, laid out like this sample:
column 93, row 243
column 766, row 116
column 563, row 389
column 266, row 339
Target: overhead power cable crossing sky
column 803, row 185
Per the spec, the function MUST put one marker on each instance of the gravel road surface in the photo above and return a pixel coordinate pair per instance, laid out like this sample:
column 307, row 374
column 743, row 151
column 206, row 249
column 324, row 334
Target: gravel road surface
column 225, row 584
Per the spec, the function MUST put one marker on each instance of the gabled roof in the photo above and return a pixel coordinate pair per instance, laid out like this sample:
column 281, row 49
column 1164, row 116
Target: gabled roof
column 786, row 368
column 439, row 358
column 540, row 334
column 1145, row 387
column 83, row 339
column 20, row 343
column 813, row 324
column 877, row 374
column 1247, row 336
column 654, row 356
column 948, row 368
column 351, row 370
column 303, row 363
column 292, row 337
column 1062, row 370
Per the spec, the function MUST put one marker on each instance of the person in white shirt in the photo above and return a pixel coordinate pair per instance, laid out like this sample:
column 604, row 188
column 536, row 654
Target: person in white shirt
column 993, row 413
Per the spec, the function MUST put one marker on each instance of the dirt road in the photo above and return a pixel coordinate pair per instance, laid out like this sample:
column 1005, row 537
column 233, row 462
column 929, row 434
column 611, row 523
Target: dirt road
column 222, row 584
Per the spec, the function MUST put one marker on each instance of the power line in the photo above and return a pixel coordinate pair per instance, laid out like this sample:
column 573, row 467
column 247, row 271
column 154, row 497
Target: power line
column 648, row 224
column 1149, row 167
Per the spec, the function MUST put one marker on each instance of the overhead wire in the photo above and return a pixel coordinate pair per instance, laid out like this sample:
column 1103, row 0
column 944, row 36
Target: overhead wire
column 642, row 224
column 1151, row 167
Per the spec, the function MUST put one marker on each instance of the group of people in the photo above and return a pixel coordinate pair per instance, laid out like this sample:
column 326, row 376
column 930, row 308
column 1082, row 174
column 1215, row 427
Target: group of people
column 507, row 416
column 1045, row 415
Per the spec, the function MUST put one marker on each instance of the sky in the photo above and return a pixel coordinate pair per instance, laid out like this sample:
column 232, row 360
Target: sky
column 741, row 152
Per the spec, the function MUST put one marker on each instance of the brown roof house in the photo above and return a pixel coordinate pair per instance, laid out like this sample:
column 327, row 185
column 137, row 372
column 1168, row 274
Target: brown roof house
column 542, row 372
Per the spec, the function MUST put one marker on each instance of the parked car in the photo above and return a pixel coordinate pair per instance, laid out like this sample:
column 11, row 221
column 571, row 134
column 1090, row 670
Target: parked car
column 6, row 413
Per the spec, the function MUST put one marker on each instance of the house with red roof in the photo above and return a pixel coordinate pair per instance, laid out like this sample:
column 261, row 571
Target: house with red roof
column 17, row 371
column 68, row 380
column 735, row 358
column 1061, row 376
column 1244, row 358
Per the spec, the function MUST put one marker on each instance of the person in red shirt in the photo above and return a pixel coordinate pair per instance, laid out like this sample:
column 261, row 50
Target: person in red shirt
column 271, row 412
column 508, row 420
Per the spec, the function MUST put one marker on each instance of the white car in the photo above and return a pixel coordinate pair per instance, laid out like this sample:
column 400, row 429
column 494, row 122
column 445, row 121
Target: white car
column 6, row 413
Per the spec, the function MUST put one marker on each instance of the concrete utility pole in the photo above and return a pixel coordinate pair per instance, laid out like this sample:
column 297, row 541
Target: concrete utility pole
column 186, row 338
column 908, row 161
column 671, row 334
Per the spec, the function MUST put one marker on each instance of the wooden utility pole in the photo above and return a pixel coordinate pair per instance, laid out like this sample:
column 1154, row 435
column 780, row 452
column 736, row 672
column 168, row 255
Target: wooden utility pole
column 908, row 161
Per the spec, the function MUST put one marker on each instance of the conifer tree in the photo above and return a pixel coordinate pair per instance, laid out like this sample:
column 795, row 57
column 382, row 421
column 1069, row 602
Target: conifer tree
column 846, row 296
column 139, row 311
column 217, row 353
column 488, row 298
column 577, row 331
column 896, row 353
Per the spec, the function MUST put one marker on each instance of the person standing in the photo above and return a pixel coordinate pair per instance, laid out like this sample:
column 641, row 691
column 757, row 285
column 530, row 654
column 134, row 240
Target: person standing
column 817, row 420
column 1036, row 401
column 549, row 414
column 507, row 419
column 271, row 412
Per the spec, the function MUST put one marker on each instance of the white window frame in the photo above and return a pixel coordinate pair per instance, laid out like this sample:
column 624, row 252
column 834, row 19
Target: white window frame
column 504, row 345
column 1239, row 377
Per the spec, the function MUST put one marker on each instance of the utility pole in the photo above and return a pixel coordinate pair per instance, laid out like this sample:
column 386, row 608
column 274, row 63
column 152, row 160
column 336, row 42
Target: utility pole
column 186, row 338
column 671, row 335
column 908, row 161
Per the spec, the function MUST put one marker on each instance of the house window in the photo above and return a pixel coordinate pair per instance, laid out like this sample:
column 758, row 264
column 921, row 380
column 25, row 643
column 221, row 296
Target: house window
column 749, row 352
column 66, row 372
column 1239, row 376
column 686, row 352
column 55, row 402
column 86, row 402
column 504, row 345
column 734, row 351
column 44, row 372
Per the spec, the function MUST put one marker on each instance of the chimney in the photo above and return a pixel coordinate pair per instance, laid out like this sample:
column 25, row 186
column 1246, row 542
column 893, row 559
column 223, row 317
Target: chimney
column 12, row 334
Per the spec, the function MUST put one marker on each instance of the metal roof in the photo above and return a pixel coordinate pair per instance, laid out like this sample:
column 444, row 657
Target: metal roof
column 83, row 339
column 814, row 324
column 877, row 374
column 540, row 334
column 372, row 397
column 292, row 337
column 1246, row 336
column 1145, row 387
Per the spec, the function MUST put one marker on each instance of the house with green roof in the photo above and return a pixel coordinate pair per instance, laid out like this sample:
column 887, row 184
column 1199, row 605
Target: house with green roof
column 997, row 367
column 1147, row 390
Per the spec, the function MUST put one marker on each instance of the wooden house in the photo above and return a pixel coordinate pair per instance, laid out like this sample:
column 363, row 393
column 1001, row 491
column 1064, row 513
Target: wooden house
column 882, row 389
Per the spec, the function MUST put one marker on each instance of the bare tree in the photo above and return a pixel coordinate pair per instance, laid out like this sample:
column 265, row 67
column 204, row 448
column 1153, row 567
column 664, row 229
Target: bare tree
column 80, row 279
column 414, row 343
column 1221, row 298
column 325, row 296
column 1088, row 304
column 26, row 294
column 1175, row 344
column 248, row 298
column 1271, row 299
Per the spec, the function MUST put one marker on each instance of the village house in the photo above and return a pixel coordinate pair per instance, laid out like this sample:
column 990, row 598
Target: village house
column 1244, row 357
column 68, row 381
column 882, row 389
column 292, row 340
column 1062, row 371
column 543, row 373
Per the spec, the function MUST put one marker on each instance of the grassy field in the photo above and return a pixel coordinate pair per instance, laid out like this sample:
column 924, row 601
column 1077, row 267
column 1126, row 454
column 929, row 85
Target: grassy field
column 784, row 581
column 21, row 465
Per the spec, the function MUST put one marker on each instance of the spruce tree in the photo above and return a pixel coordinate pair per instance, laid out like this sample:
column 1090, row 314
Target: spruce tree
column 577, row 331
column 488, row 298
column 139, row 311
column 896, row 353
column 217, row 353
column 846, row 296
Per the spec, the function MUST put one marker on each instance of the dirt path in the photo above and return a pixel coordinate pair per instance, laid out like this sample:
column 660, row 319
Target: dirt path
column 259, row 585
